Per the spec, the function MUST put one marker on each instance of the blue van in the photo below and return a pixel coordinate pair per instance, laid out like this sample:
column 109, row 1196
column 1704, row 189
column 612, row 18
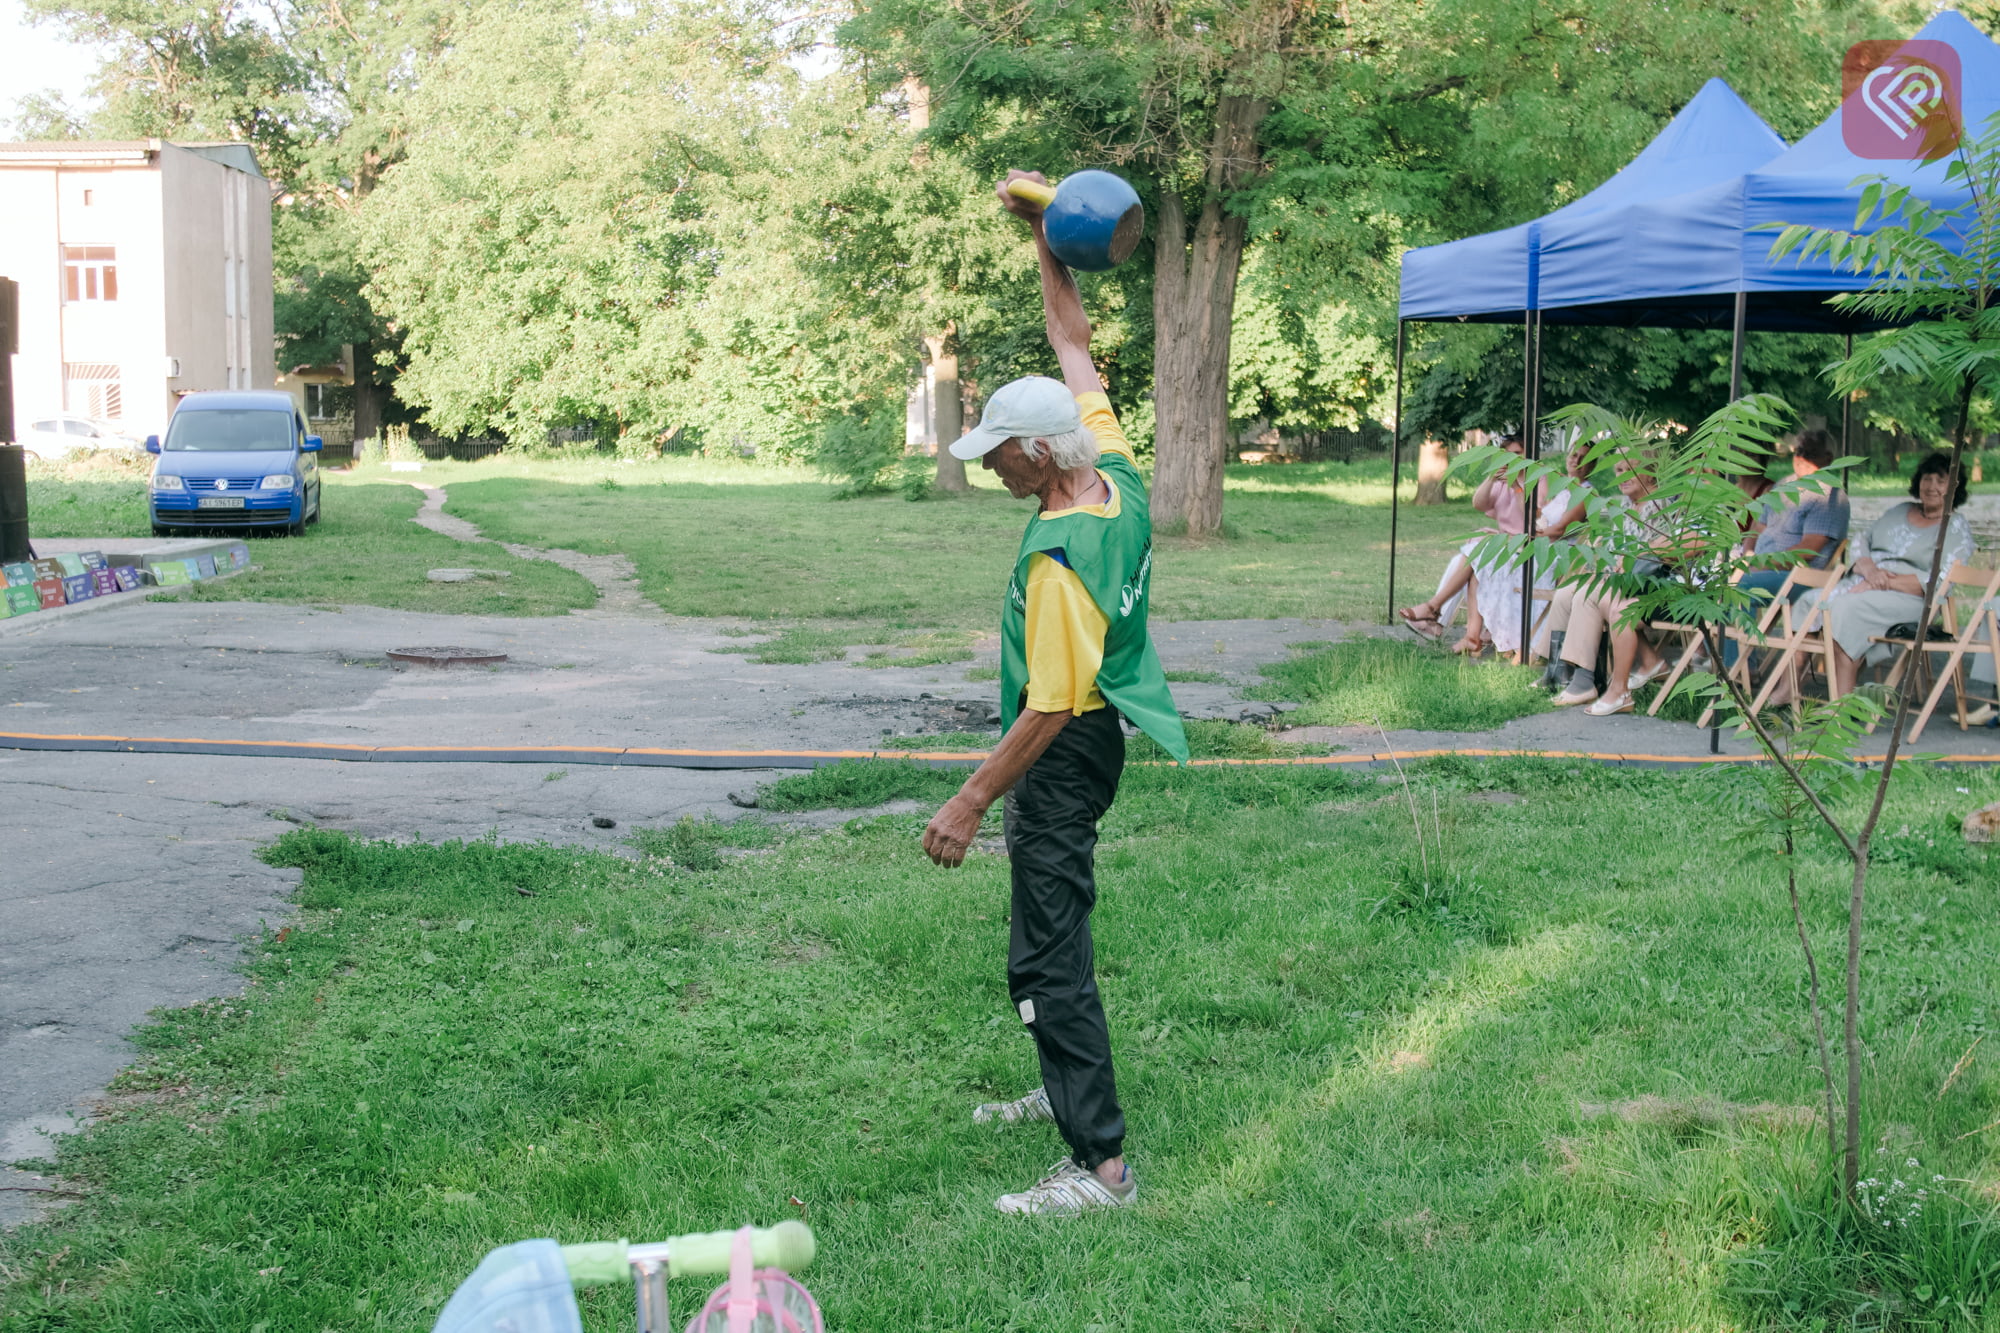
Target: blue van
column 235, row 460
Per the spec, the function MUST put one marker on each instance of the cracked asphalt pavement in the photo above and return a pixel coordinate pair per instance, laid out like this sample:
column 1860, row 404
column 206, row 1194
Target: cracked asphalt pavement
column 130, row 878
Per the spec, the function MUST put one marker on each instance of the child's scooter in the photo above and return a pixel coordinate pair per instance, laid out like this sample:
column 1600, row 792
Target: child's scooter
column 528, row 1287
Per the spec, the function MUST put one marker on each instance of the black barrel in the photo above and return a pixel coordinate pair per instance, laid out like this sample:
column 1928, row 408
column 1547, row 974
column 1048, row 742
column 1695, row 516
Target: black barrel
column 13, row 504
column 13, row 462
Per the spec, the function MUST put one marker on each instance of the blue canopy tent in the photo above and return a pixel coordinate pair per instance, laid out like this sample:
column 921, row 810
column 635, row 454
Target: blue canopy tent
column 1683, row 261
column 1698, row 259
column 1494, row 277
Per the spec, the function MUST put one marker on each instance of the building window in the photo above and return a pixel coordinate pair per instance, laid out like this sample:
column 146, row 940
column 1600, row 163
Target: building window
column 91, row 389
column 90, row 272
column 328, row 402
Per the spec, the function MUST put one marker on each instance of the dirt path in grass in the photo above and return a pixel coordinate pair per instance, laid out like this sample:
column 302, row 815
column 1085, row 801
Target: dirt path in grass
column 614, row 576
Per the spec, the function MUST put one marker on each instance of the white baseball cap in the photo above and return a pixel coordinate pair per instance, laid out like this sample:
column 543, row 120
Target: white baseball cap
column 1032, row 406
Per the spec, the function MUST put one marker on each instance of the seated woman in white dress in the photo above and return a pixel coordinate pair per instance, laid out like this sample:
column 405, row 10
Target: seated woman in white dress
column 1491, row 619
column 1892, row 574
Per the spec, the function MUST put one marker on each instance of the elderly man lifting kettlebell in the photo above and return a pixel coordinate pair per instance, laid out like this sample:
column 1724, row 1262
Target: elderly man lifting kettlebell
column 1075, row 659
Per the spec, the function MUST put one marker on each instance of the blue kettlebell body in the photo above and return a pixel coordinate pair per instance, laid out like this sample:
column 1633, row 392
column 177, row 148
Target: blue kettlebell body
column 1095, row 221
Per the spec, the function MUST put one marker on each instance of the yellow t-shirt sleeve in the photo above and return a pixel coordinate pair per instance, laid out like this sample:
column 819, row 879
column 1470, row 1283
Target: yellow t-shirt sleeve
column 1097, row 415
column 1065, row 640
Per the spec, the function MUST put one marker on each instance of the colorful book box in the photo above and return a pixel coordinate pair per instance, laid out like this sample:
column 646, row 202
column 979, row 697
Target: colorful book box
column 50, row 591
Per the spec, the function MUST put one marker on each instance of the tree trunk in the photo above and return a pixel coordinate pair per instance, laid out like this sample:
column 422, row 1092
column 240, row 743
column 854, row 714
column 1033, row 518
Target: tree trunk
column 1433, row 460
column 1194, row 297
column 947, row 410
column 367, row 400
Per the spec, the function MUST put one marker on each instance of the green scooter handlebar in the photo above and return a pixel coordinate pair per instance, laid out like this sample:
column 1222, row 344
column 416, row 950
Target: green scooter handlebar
column 788, row 1245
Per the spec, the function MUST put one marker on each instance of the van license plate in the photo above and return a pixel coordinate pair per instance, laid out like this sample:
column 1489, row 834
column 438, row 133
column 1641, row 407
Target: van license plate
column 219, row 502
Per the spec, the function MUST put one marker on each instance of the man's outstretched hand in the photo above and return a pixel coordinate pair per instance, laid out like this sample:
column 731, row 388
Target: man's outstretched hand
column 950, row 833
column 1025, row 209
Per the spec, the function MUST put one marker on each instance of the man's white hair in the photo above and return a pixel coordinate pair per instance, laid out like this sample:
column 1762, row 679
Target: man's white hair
column 1071, row 449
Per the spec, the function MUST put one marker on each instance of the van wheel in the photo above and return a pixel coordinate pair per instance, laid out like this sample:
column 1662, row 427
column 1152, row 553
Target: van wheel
column 297, row 529
column 313, row 517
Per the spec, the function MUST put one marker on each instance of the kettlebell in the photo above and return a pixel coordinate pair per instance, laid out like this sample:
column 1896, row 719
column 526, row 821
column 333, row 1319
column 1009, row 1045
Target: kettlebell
column 1093, row 219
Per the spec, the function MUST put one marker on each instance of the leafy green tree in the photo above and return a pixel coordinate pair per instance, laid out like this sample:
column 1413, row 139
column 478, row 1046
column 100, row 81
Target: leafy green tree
column 648, row 221
column 1473, row 377
column 1328, row 136
column 45, row 116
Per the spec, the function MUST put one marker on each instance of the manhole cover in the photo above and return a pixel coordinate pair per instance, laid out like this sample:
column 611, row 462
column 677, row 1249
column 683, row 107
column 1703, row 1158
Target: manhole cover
column 449, row 655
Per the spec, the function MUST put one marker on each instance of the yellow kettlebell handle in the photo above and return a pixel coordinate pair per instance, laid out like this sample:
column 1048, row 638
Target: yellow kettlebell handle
column 1033, row 191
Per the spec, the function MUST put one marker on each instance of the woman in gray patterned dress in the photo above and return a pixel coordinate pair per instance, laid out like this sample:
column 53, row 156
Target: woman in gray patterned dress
column 1892, row 572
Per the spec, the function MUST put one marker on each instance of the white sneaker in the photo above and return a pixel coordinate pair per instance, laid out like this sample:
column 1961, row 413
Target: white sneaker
column 1020, row 1111
column 1068, row 1190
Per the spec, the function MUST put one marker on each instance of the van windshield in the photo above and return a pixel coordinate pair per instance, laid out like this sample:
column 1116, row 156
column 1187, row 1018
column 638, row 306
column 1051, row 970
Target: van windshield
column 237, row 430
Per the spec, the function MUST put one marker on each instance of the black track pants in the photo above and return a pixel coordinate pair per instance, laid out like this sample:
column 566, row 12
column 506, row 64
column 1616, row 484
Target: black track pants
column 1052, row 816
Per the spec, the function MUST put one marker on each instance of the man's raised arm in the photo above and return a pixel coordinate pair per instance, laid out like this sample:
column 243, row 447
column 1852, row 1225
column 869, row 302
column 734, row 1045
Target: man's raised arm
column 1068, row 326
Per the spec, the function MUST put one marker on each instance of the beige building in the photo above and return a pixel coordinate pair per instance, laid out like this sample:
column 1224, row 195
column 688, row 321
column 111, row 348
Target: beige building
column 144, row 271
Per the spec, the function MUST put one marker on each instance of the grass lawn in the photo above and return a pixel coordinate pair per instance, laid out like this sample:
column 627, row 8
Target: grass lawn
column 1561, row 1083
column 364, row 551
column 721, row 539
column 716, row 538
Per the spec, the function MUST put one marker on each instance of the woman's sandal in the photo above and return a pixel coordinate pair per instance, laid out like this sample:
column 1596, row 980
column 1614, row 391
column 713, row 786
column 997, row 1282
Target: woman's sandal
column 1424, row 627
column 1471, row 647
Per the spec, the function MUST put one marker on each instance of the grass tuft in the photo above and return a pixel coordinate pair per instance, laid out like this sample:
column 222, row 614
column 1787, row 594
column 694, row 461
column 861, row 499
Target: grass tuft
column 858, row 784
column 696, row 844
column 798, row 646
column 944, row 740
column 1215, row 739
column 1400, row 686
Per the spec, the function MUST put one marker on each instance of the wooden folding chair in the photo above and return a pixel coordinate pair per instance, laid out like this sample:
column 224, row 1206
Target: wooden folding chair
column 1801, row 634
column 1967, row 611
column 1749, row 641
column 1689, row 649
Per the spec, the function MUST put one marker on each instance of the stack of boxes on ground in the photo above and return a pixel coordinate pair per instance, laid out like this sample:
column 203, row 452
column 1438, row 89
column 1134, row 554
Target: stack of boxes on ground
column 63, row 580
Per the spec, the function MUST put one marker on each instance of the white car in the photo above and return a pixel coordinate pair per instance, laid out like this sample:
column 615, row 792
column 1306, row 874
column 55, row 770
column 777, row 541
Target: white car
column 67, row 433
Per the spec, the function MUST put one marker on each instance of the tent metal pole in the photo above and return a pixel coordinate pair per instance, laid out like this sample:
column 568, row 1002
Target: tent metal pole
column 1847, row 411
column 1736, row 348
column 1396, row 470
column 1735, row 392
column 1531, row 422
